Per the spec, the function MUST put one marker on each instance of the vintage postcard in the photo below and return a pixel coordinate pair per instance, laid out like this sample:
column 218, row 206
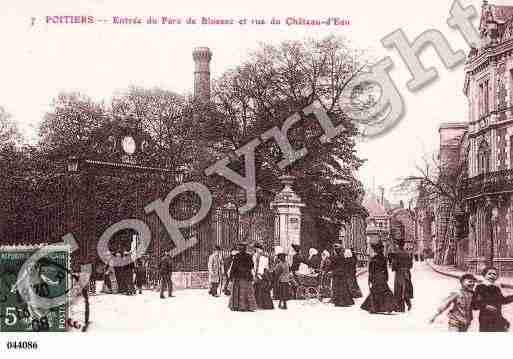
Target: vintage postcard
column 259, row 169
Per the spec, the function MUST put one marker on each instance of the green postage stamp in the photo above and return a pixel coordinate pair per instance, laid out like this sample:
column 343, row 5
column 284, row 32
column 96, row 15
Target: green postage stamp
column 34, row 288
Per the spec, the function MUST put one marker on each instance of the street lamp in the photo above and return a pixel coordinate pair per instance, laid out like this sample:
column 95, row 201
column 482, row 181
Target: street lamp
column 72, row 164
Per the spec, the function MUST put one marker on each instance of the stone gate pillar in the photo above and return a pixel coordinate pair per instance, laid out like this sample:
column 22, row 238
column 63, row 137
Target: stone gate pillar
column 287, row 222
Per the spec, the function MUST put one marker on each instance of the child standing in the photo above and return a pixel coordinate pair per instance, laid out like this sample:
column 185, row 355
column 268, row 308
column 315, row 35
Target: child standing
column 283, row 275
column 489, row 299
column 460, row 314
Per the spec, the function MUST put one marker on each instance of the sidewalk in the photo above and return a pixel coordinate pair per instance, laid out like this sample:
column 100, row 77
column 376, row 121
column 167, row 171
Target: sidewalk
column 452, row 271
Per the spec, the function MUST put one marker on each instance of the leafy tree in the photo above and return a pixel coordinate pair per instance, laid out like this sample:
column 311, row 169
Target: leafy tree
column 69, row 127
column 276, row 82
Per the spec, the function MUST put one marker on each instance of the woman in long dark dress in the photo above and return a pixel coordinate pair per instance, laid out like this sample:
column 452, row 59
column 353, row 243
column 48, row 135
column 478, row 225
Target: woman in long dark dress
column 243, row 294
column 403, row 288
column 341, row 295
column 488, row 299
column 352, row 282
column 380, row 299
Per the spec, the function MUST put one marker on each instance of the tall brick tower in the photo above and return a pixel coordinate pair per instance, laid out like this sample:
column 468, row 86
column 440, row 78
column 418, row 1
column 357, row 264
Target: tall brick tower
column 202, row 57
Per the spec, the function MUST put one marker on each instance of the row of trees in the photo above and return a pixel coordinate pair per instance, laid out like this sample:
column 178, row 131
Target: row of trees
column 275, row 82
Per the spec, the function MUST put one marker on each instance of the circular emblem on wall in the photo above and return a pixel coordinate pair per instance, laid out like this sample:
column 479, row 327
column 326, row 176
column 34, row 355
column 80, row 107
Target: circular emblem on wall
column 128, row 144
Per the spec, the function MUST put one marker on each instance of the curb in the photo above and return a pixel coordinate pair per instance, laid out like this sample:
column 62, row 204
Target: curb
column 448, row 274
column 439, row 271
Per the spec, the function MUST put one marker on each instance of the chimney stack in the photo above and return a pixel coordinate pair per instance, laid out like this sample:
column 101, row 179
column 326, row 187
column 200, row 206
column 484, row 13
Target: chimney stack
column 202, row 57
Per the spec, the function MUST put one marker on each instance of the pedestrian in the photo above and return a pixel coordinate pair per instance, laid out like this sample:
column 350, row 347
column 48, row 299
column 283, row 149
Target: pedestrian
column 112, row 276
column 273, row 261
column 403, row 286
column 460, row 304
column 227, row 264
column 243, row 294
column 119, row 273
column 263, row 282
column 488, row 299
column 325, row 291
column 282, row 272
column 338, row 267
column 352, row 282
column 165, row 272
column 380, row 299
column 215, row 270
column 107, row 282
column 129, row 276
column 140, row 274
column 297, row 260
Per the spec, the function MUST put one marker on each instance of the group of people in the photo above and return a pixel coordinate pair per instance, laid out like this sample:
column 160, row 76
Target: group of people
column 127, row 279
column 249, row 279
column 381, row 299
column 486, row 297
column 253, row 280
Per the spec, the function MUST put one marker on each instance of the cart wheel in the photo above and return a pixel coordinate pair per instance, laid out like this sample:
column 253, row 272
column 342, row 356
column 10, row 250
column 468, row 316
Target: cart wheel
column 312, row 292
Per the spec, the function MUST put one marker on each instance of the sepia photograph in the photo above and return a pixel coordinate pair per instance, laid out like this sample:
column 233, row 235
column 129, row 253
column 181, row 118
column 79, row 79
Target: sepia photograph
column 286, row 173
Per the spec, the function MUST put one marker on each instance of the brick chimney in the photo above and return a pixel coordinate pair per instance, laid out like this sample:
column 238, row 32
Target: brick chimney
column 202, row 57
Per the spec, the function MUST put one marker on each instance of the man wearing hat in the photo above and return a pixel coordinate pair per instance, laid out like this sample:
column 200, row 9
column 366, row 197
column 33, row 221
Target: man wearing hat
column 166, row 271
column 262, row 281
column 227, row 266
column 403, row 287
column 215, row 270
column 297, row 259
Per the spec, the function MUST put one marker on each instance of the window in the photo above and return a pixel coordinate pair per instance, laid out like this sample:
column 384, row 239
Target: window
column 484, row 99
column 483, row 158
column 480, row 101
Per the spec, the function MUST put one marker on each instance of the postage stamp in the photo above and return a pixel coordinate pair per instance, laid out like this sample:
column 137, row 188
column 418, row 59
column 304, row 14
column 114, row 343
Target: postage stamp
column 34, row 289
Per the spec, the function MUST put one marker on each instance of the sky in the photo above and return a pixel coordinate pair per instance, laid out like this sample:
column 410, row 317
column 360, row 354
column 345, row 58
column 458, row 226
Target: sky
column 39, row 60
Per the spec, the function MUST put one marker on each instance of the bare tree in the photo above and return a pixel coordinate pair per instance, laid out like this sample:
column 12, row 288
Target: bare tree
column 440, row 181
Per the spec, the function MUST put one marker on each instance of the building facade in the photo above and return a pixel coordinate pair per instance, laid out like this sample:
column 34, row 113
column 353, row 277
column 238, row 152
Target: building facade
column 477, row 229
column 378, row 222
column 402, row 222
